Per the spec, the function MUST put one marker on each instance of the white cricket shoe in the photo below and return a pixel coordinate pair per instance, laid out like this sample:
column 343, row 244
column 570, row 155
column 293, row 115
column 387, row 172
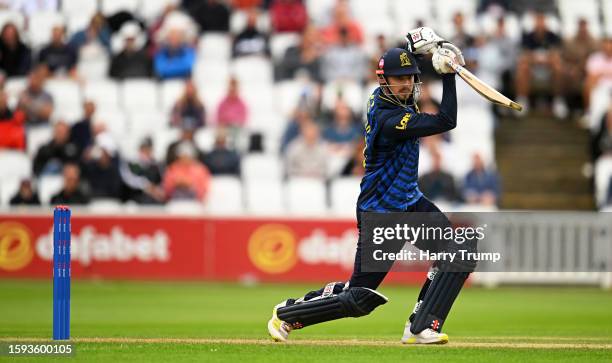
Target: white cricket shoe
column 278, row 329
column 427, row 336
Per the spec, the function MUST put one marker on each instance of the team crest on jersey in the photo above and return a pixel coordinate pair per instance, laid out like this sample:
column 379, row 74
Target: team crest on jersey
column 404, row 60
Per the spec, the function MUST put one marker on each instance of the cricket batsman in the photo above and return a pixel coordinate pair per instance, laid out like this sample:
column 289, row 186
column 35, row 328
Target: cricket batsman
column 394, row 126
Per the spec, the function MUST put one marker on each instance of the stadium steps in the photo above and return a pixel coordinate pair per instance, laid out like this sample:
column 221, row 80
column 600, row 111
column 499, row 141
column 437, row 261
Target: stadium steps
column 541, row 162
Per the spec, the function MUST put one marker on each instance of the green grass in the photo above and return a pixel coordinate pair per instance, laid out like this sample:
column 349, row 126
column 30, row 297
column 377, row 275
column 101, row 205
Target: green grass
column 230, row 311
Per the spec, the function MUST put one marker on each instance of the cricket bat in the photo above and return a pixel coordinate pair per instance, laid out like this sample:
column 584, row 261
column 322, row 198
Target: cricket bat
column 484, row 89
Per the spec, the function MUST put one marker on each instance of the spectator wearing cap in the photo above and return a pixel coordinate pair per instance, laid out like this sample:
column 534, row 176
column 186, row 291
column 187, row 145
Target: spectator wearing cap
column 34, row 100
column 188, row 110
column 15, row 56
column 175, row 57
column 232, row 110
column 132, row 61
column 12, row 126
column 73, row 192
column 50, row 157
column 288, row 15
column 186, row 136
column 481, row 186
column 58, row 56
column 101, row 168
column 251, row 41
column 307, row 155
column 26, row 195
column 222, row 160
column 186, row 178
column 142, row 176
column 210, row 15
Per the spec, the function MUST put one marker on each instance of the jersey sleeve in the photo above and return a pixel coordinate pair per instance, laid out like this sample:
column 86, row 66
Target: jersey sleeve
column 402, row 125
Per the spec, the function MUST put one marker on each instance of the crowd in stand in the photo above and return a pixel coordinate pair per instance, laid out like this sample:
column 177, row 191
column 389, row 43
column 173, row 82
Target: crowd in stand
column 336, row 48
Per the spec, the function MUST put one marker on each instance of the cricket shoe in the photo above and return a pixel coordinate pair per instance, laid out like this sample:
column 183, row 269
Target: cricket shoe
column 278, row 329
column 427, row 336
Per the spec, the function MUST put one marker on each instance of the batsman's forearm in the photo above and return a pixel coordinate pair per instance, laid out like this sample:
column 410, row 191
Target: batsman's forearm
column 448, row 106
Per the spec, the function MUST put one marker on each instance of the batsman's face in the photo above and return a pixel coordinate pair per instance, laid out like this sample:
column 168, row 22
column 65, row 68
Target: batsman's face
column 401, row 86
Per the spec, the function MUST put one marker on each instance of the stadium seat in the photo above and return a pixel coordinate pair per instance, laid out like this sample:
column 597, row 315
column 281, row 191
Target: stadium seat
column 48, row 186
column 205, row 138
column 182, row 207
column 144, row 123
column 40, row 34
column 287, row 95
column 110, row 7
column 446, row 9
column 264, row 198
column 79, row 7
column 261, row 167
column 116, row 122
column 572, row 11
column 238, row 21
column 14, row 165
column 603, row 173
column 488, row 24
column 36, row 137
column 256, row 70
column 162, row 138
column 139, row 95
column 151, row 9
column 305, row 196
column 352, row 93
column 406, row 15
column 171, row 91
column 13, row 88
column 259, row 99
column 76, row 22
column 280, row 42
column 320, row 10
column 211, row 75
column 606, row 8
column 215, row 47
column 8, row 189
column 105, row 206
column 343, row 195
column 65, row 92
column 93, row 67
column 104, row 93
column 225, row 195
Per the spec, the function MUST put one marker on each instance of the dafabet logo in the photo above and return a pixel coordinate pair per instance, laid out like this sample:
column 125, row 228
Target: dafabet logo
column 16, row 250
column 272, row 248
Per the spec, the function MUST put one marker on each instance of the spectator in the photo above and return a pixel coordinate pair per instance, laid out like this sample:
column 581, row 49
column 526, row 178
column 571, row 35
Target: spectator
column 96, row 32
column 292, row 131
column 344, row 61
column 343, row 132
column 497, row 58
column 540, row 53
column 188, row 111
column 34, row 100
column 601, row 143
column 222, row 160
column 251, row 41
column 481, row 186
column 132, row 61
column 74, row 192
column 101, row 168
column 210, row 15
column 342, row 22
column 186, row 136
column 304, row 58
column 232, row 110
column 438, row 184
column 50, row 157
column 461, row 38
column 15, row 56
column 25, row 195
column 58, row 56
column 307, row 155
column 142, row 176
column 176, row 57
column 574, row 61
column 12, row 129
column 82, row 132
column 288, row 16
column 355, row 165
column 186, row 178
column 598, row 69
